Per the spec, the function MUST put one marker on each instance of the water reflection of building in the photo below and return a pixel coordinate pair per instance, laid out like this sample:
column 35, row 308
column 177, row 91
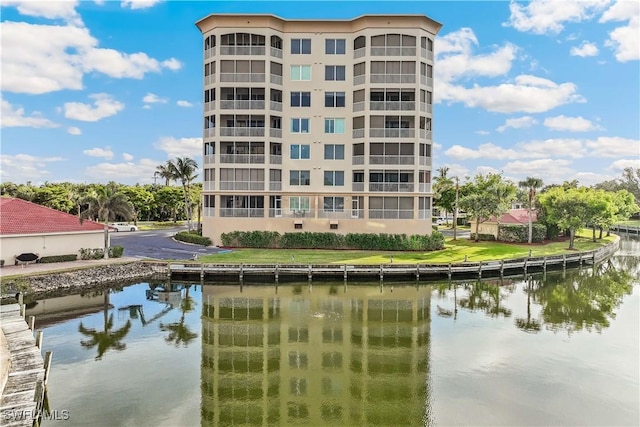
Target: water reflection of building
column 329, row 356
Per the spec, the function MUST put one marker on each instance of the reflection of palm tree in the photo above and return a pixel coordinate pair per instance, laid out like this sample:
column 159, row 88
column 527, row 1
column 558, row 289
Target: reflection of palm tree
column 528, row 324
column 179, row 332
column 107, row 339
column 485, row 296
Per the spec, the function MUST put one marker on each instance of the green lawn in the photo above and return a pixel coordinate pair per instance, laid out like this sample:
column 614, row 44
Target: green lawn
column 453, row 252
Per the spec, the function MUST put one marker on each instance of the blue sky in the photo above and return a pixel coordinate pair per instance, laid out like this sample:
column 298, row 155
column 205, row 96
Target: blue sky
column 95, row 91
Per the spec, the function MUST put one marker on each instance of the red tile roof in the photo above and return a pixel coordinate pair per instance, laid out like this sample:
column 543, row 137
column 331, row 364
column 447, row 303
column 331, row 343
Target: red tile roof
column 516, row 216
column 18, row 216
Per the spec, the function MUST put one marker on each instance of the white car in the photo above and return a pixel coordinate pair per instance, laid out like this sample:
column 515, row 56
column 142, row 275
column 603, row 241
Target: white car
column 122, row 226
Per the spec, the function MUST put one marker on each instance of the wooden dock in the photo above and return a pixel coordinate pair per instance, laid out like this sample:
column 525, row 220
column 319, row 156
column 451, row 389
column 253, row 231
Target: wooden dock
column 23, row 392
column 418, row 271
column 626, row 230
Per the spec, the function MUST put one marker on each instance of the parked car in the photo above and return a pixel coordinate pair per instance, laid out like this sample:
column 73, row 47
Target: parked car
column 122, row 226
column 441, row 221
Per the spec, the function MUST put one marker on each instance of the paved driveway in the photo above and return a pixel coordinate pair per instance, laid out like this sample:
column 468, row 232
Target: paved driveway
column 158, row 244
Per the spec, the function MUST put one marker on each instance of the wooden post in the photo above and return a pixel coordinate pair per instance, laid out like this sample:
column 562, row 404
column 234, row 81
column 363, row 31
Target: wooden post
column 544, row 264
column 276, row 273
column 381, row 274
column 39, row 339
column 32, row 322
column 480, row 270
column 169, row 270
column 525, row 266
column 20, row 299
column 417, row 272
column 310, row 273
column 449, row 271
column 344, row 267
column 47, row 366
column 23, row 310
column 202, row 271
column 241, row 272
column 501, row 267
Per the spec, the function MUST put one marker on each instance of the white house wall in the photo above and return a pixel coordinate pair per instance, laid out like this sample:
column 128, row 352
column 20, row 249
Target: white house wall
column 48, row 244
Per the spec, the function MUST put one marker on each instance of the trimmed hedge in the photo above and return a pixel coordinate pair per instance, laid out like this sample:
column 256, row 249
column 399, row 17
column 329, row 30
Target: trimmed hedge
column 307, row 240
column 483, row 236
column 116, row 251
column 58, row 258
column 98, row 253
column 514, row 233
column 185, row 236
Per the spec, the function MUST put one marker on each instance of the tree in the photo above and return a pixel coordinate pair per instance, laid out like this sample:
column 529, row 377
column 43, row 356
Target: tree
column 568, row 208
column 531, row 185
column 106, row 203
column 444, row 191
column 183, row 169
column 141, row 199
column 630, row 182
column 163, row 171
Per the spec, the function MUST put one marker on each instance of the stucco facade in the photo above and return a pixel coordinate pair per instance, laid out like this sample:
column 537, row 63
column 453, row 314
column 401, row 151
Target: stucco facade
column 317, row 125
column 48, row 244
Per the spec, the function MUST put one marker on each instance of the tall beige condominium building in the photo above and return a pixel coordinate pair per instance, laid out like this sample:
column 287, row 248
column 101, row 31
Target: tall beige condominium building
column 317, row 125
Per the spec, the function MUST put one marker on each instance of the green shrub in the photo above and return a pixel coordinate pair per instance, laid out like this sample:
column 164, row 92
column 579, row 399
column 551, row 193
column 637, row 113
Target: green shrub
column 58, row 258
column 307, row 240
column 116, row 251
column 251, row 239
column 88, row 253
column 1, row 263
column 187, row 237
column 515, row 233
column 483, row 236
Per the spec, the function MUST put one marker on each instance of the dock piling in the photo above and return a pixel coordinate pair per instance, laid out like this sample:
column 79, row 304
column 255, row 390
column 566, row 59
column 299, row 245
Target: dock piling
column 39, row 339
column 47, row 366
column 32, row 322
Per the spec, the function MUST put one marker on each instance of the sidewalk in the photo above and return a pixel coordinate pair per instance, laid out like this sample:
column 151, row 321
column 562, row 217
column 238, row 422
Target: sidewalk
column 31, row 269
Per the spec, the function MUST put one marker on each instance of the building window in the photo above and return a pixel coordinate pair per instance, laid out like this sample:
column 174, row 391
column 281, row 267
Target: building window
column 334, row 152
column 299, row 203
column 334, row 46
column 299, row 151
column 300, row 73
column 301, row 46
column 334, row 178
column 209, row 201
column 299, row 125
column 333, row 125
column 334, row 99
column 334, row 72
column 334, row 204
column 299, row 178
column 301, row 99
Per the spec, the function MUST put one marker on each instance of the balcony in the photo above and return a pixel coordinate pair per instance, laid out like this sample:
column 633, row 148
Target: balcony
column 242, row 50
column 210, row 53
column 210, row 79
column 359, row 53
column 241, row 131
column 392, row 105
column 426, row 108
column 425, row 134
column 209, row 106
column 210, row 132
column 358, row 106
column 275, row 133
column 242, row 212
column 425, row 161
column 393, row 187
column 390, row 159
column 358, row 133
column 276, row 80
column 357, row 160
column 209, row 212
column 242, row 185
column 424, row 214
column 242, row 77
column 424, row 53
column 357, row 186
column 427, row 81
column 390, row 214
column 275, row 212
column 344, row 214
column 242, row 158
column 359, row 80
column 424, row 187
column 275, row 105
column 275, row 186
column 275, row 159
column 393, row 51
column 209, row 186
column 242, row 105
column 275, row 52
column 209, row 159
column 393, row 78
column 392, row 133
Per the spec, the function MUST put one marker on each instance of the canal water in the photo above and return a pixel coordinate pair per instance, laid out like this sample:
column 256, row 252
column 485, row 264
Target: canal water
column 554, row 349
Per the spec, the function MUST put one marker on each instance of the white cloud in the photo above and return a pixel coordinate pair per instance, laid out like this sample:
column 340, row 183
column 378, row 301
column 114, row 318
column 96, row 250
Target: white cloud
column 621, row 164
column 585, row 49
column 65, row 10
column 152, row 98
column 139, row 172
column 549, row 16
column 16, row 117
column 551, row 170
column 590, row 178
column 484, row 151
column 180, row 147
column 39, row 59
column 105, row 106
column 24, row 167
column 571, row 148
column 127, row 157
column 614, row 147
column 570, row 124
column 624, row 40
column 139, row 4
column 72, row 130
column 482, row 132
column 104, row 153
column 182, row 103
column 519, row 123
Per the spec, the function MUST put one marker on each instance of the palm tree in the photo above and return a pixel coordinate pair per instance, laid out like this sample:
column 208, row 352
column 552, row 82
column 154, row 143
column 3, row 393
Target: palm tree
column 163, row 172
column 531, row 185
column 104, row 340
column 183, row 169
column 106, row 203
